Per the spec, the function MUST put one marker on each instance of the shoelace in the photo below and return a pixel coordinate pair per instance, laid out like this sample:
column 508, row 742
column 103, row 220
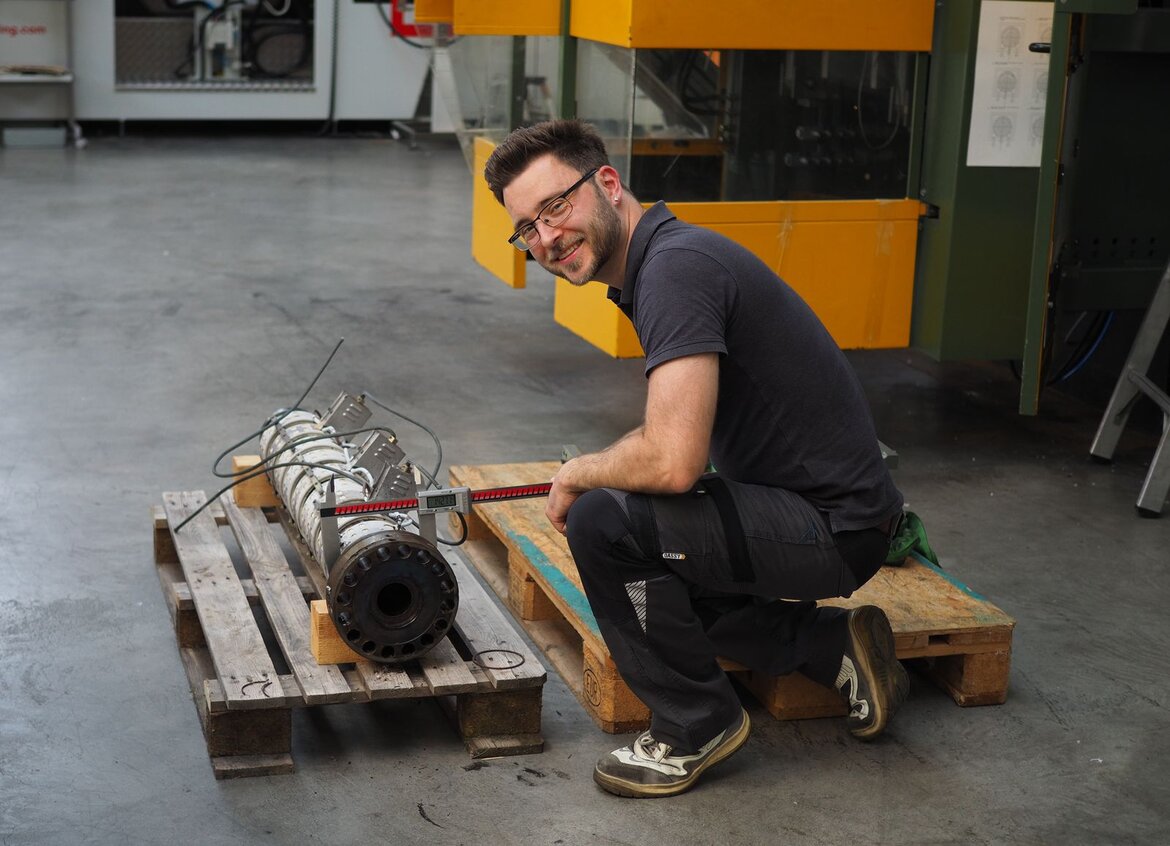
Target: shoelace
column 650, row 749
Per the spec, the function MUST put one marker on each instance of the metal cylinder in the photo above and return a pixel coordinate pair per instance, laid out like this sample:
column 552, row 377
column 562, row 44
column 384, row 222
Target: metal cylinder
column 390, row 592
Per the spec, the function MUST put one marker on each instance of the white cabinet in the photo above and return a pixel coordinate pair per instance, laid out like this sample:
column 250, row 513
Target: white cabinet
column 36, row 69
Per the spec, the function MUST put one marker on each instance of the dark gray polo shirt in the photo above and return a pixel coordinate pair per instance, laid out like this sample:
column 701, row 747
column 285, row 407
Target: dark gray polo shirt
column 790, row 413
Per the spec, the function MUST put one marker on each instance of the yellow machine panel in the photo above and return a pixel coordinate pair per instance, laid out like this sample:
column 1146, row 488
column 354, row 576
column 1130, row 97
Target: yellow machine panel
column 507, row 17
column 755, row 25
column 434, row 11
column 587, row 312
column 851, row 260
column 491, row 226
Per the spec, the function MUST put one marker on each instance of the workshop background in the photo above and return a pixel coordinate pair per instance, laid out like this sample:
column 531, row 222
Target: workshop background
column 199, row 200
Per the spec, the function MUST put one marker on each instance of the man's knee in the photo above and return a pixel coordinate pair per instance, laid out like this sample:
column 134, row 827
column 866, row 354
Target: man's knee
column 609, row 532
column 595, row 520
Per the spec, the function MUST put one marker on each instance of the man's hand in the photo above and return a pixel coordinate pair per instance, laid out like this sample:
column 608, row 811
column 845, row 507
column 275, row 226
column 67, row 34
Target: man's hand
column 662, row 456
column 560, row 499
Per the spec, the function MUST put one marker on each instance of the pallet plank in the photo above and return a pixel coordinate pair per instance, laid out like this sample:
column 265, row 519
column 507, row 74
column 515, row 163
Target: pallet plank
column 246, row 766
column 241, row 659
column 387, row 681
column 921, row 598
column 216, row 701
column 309, row 564
column 445, row 670
column 182, row 593
column 285, row 605
column 495, row 645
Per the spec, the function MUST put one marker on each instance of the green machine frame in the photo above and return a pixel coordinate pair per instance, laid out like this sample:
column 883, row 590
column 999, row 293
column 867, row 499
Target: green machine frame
column 1101, row 230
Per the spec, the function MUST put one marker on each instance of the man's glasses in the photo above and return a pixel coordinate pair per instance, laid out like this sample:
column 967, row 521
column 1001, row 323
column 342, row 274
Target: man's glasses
column 554, row 213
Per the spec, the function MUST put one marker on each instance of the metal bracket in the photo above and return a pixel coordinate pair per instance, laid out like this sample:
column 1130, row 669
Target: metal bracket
column 330, row 538
column 426, row 522
column 346, row 413
column 382, row 458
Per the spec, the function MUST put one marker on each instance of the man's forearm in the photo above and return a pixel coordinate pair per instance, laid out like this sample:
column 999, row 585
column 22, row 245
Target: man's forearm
column 631, row 463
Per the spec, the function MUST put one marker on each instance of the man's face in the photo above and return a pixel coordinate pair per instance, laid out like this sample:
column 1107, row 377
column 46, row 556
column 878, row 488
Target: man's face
column 579, row 246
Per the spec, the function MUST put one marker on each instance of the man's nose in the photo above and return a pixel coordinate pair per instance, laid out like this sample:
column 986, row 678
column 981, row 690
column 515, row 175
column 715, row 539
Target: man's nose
column 549, row 234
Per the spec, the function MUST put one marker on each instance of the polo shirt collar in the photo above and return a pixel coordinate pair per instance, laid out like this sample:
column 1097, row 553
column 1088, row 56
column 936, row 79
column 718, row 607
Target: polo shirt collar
column 651, row 220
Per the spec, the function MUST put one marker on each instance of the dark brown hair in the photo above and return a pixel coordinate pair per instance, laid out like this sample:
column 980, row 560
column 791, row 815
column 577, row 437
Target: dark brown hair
column 573, row 142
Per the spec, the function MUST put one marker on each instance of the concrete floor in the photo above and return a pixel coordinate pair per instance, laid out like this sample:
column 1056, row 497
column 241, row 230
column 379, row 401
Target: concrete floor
column 161, row 296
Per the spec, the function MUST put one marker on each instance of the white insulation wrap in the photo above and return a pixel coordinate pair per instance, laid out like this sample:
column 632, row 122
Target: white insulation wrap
column 298, row 437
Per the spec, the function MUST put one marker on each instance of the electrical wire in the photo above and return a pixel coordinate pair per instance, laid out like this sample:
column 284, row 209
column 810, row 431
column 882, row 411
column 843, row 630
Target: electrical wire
column 266, row 465
column 302, row 439
column 329, row 119
column 438, row 444
column 477, row 659
column 1082, row 352
column 462, row 538
column 861, row 122
column 1050, row 374
column 1069, row 372
column 278, row 415
column 253, row 473
column 282, row 12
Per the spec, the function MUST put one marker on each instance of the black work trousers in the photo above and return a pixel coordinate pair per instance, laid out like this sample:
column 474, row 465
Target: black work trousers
column 671, row 594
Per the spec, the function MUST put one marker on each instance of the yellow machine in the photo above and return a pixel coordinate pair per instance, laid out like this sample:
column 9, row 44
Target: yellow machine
column 792, row 127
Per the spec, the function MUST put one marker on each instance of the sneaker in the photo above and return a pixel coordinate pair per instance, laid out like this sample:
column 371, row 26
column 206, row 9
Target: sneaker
column 647, row 768
column 871, row 678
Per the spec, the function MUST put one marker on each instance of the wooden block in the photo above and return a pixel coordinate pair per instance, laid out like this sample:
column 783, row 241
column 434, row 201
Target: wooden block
column 231, row 733
column 164, row 544
column 188, row 632
column 504, row 712
column 525, row 596
column 326, row 644
column 793, row 697
column 608, row 699
column 477, row 530
column 255, row 492
column 973, row 679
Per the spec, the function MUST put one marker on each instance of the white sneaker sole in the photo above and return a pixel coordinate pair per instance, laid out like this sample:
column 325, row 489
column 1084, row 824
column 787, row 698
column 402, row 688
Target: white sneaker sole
column 634, row 790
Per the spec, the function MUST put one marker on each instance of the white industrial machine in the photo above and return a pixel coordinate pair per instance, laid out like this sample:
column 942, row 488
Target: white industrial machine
column 250, row 60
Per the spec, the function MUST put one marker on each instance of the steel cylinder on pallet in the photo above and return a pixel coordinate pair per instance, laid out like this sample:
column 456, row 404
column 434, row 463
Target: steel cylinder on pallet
column 390, row 592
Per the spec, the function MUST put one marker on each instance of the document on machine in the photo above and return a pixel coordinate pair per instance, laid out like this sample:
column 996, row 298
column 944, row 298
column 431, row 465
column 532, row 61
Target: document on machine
column 1011, row 84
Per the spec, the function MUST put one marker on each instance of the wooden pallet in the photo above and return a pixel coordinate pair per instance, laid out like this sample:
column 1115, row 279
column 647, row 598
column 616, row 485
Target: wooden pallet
column 963, row 641
column 245, row 689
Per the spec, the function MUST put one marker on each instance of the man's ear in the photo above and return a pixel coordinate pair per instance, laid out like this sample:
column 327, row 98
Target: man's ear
column 611, row 184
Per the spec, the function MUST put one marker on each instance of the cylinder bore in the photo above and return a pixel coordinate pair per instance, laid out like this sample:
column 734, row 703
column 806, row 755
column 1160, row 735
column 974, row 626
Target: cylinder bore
column 395, row 599
column 394, row 596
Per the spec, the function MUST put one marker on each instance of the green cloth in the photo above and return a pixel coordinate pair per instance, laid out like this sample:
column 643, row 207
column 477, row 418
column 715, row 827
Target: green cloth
column 910, row 537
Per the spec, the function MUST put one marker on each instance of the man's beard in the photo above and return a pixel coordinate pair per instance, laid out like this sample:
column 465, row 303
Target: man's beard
column 603, row 235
